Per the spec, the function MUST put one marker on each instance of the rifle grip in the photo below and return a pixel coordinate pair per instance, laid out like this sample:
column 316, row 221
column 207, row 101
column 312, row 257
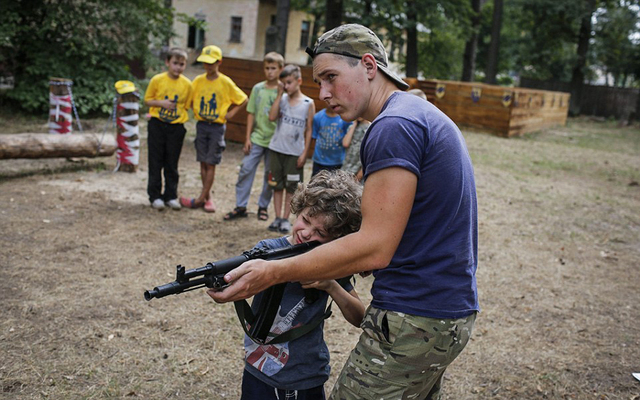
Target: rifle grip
column 311, row 295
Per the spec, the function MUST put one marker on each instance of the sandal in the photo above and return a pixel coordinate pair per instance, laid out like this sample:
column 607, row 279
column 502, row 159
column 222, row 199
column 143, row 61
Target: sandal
column 238, row 212
column 263, row 215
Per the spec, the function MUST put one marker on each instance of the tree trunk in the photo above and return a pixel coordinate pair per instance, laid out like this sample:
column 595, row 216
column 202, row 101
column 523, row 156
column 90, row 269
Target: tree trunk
column 367, row 8
column 577, row 77
column 333, row 16
column 411, row 66
column 282, row 23
column 43, row 145
column 494, row 46
column 471, row 47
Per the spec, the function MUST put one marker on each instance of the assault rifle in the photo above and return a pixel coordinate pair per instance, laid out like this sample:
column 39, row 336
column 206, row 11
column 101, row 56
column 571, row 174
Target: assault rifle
column 212, row 274
column 255, row 325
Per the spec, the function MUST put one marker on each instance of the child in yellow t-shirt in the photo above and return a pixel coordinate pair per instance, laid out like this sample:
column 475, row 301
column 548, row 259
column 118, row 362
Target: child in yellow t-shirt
column 213, row 95
column 167, row 96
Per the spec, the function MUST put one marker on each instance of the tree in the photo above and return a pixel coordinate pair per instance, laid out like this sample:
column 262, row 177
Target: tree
column 411, row 69
column 614, row 50
column 283, row 8
column 415, row 20
column 88, row 41
column 471, row 47
column 577, row 77
column 334, row 14
column 494, row 46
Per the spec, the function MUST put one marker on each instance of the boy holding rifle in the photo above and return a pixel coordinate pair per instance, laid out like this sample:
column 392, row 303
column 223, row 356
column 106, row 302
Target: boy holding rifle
column 327, row 207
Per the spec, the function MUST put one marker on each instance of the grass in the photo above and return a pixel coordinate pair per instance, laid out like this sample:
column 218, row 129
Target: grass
column 605, row 136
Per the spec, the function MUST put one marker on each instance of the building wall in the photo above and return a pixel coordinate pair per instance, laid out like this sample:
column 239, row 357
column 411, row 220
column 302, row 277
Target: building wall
column 218, row 15
column 256, row 18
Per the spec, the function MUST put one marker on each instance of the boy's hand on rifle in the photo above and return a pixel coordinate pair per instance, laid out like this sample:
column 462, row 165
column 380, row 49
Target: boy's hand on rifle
column 320, row 285
column 250, row 278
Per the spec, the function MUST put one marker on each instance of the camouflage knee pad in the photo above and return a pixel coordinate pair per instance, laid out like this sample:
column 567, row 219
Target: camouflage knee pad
column 401, row 356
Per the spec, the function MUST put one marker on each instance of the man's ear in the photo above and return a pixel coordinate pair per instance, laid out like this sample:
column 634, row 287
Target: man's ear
column 369, row 63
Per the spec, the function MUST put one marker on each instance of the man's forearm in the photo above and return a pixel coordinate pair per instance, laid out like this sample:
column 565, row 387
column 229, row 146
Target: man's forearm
column 386, row 206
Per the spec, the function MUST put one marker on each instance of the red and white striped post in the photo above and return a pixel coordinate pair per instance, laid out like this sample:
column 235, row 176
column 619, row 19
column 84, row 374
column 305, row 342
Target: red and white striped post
column 128, row 139
column 60, row 106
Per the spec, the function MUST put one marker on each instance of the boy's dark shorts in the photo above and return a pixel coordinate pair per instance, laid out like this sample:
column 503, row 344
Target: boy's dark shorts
column 209, row 142
column 284, row 173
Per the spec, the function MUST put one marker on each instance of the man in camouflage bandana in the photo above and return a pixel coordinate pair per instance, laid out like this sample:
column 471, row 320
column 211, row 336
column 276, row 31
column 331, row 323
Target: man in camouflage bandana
column 419, row 232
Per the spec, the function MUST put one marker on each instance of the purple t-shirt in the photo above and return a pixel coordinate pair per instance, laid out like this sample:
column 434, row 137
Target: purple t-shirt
column 432, row 273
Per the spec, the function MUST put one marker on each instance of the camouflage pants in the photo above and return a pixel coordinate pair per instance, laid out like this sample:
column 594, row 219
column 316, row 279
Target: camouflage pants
column 401, row 356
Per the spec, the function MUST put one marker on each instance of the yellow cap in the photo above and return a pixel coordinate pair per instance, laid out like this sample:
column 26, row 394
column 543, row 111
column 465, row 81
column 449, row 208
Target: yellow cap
column 124, row 87
column 210, row 55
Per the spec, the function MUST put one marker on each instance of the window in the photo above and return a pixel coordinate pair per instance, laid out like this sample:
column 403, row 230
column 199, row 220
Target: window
column 236, row 29
column 305, row 31
column 195, row 38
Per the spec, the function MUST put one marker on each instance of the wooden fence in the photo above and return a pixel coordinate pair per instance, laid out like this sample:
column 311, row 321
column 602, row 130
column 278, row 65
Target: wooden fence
column 503, row 111
column 601, row 101
column 499, row 110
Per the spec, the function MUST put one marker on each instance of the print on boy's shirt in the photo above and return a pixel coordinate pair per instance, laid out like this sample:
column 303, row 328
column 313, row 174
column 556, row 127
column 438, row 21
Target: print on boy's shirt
column 169, row 115
column 331, row 135
column 293, row 121
column 209, row 109
column 271, row 358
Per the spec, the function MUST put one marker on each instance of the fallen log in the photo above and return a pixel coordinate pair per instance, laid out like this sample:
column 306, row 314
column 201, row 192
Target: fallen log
column 43, row 145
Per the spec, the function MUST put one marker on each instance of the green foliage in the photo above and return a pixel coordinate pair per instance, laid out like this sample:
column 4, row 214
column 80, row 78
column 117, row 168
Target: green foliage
column 614, row 49
column 440, row 52
column 543, row 35
column 87, row 41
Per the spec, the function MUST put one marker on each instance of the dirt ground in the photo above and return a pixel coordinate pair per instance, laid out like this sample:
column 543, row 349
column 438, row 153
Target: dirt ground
column 558, row 275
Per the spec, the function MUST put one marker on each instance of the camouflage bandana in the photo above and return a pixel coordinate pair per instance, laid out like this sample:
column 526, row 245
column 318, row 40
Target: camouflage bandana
column 353, row 40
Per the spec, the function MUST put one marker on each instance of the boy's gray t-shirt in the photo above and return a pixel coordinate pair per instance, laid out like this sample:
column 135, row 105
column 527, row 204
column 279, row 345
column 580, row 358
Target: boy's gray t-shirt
column 302, row 363
column 292, row 124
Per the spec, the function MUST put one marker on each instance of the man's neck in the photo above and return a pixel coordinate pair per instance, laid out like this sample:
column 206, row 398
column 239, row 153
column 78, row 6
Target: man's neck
column 379, row 97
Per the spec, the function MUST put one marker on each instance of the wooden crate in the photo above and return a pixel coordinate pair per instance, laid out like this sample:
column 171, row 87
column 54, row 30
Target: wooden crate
column 246, row 73
column 503, row 111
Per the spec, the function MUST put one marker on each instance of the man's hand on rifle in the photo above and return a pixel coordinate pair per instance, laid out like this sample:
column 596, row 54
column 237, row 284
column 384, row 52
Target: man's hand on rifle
column 250, row 278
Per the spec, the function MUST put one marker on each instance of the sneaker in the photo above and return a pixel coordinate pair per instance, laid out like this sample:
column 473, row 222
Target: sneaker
column 285, row 226
column 158, row 204
column 174, row 204
column 275, row 225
